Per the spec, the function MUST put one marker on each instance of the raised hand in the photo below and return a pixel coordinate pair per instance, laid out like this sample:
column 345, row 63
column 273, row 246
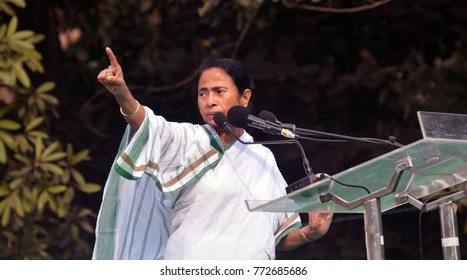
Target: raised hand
column 112, row 77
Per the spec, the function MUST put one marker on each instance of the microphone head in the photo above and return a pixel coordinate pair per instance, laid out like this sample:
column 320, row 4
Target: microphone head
column 268, row 116
column 220, row 119
column 238, row 116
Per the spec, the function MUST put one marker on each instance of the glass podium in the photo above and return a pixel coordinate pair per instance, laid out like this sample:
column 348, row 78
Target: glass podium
column 429, row 174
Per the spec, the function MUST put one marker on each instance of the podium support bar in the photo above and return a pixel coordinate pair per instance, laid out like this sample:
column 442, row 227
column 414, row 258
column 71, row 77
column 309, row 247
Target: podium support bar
column 374, row 237
column 449, row 232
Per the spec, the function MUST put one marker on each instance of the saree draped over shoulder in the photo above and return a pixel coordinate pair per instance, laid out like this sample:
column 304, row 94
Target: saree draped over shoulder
column 175, row 192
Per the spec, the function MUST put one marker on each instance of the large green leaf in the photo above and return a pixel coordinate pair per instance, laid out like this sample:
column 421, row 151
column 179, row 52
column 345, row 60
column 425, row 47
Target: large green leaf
column 7, row 139
column 6, row 215
column 57, row 189
column 17, row 204
column 9, row 125
column 22, row 34
column 34, row 123
column 3, row 153
column 42, row 200
column 90, row 188
column 19, row 3
column 50, row 149
column 50, row 167
column 21, row 75
column 46, row 87
column 79, row 157
column 12, row 26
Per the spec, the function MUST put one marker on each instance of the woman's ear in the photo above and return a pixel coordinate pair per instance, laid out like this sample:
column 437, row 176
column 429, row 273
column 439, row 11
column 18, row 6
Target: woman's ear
column 246, row 97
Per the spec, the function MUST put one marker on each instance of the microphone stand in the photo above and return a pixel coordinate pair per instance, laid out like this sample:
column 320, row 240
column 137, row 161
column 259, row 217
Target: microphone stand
column 301, row 131
column 308, row 180
column 306, row 162
column 221, row 120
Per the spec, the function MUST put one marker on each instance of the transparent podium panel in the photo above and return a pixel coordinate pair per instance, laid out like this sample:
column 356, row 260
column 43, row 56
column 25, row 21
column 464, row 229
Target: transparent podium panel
column 428, row 174
column 443, row 125
column 414, row 172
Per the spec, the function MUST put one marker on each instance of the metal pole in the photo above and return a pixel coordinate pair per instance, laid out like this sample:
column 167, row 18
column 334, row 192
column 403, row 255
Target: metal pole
column 373, row 229
column 449, row 233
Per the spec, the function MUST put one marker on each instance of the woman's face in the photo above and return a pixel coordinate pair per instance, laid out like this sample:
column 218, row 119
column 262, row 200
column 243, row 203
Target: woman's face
column 218, row 93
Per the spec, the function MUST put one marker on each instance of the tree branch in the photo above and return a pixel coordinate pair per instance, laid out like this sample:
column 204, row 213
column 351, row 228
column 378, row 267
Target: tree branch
column 179, row 84
column 340, row 10
column 245, row 31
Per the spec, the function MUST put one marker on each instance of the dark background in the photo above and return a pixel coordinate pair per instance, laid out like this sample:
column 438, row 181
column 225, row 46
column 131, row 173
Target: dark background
column 363, row 73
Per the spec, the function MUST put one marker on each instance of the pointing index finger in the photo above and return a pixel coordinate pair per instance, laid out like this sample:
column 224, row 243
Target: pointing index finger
column 112, row 58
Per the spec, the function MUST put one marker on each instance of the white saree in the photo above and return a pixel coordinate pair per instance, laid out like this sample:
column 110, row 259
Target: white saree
column 209, row 186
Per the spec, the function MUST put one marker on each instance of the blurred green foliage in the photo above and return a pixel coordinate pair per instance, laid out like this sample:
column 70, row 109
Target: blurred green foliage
column 40, row 217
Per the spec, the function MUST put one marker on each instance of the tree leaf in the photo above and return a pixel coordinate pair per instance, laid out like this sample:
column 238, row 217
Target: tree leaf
column 42, row 200
column 39, row 134
column 49, row 98
column 19, row 3
column 7, row 78
column 8, row 139
column 74, row 232
column 45, row 87
column 62, row 209
column 4, row 190
column 21, row 75
column 35, row 65
column 3, row 153
column 20, row 46
column 4, row 203
column 52, row 203
column 16, row 183
column 2, row 30
column 82, row 155
column 53, row 157
column 57, row 189
column 22, row 34
column 49, row 149
column 55, row 169
column 66, row 176
column 84, row 213
column 12, row 26
column 6, row 216
column 69, row 195
column 7, row 9
column 9, row 125
column 77, row 177
column 36, row 39
column 86, row 226
column 90, row 188
column 18, row 204
column 38, row 147
column 34, row 123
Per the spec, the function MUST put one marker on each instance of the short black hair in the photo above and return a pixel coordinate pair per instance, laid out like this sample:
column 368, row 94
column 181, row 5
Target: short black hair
column 234, row 69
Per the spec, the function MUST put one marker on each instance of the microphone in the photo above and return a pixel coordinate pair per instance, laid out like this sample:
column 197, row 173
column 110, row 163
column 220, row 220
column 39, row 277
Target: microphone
column 222, row 121
column 268, row 116
column 240, row 117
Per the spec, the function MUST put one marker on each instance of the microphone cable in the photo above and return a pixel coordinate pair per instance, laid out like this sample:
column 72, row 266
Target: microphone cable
column 321, row 176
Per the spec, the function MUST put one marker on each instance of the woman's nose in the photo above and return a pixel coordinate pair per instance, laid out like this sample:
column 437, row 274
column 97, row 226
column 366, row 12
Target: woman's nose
column 211, row 100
